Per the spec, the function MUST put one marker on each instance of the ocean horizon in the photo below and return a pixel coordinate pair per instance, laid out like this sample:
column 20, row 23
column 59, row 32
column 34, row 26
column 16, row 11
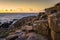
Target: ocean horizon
column 10, row 16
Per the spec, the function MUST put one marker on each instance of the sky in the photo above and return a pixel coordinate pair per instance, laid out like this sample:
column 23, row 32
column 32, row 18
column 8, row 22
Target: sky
column 26, row 5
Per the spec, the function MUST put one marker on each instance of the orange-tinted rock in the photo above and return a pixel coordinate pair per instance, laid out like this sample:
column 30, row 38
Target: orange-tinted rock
column 54, row 22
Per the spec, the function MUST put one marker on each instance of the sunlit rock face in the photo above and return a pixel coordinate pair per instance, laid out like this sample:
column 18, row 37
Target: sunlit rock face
column 53, row 14
column 54, row 24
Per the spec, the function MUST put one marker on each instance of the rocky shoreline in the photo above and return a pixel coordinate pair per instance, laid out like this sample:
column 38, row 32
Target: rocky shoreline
column 44, row 26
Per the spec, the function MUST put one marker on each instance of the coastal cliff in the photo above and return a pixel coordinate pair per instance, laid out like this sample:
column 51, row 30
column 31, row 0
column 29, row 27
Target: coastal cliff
column 44, row 26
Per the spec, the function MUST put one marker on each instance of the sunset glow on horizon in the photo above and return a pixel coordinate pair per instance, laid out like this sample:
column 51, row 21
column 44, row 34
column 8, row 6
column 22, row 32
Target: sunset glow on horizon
column 20, row 10
column 25, row 5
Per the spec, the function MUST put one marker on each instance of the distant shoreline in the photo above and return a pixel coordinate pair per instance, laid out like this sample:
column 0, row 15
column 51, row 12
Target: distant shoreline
column 20, row 13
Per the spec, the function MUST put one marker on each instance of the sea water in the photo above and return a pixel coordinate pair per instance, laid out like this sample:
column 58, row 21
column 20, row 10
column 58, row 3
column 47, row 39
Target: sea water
column 10, row 16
